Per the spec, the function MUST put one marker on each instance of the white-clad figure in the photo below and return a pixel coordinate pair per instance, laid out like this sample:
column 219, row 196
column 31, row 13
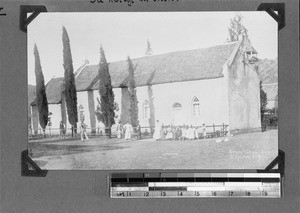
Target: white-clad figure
column 119, row 129
column 157, row 130
column 183, row 132
column 191, row 134
column 204, row 130
column 128, row 130
column 169, row 135
column 83, row 132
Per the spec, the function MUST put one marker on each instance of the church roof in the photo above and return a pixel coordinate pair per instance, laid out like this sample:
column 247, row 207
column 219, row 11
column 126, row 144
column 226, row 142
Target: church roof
column 171, row 67
column 178, row 66
column 53, row 91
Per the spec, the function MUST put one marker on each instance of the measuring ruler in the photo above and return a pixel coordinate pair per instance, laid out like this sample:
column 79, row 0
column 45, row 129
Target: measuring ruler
column 184, row 185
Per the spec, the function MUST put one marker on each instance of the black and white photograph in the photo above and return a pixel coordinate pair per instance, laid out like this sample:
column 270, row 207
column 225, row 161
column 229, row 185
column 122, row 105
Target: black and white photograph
column 152, row 90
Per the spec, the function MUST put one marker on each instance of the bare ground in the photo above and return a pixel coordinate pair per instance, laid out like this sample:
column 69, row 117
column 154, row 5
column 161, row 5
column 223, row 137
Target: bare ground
column 245, row 151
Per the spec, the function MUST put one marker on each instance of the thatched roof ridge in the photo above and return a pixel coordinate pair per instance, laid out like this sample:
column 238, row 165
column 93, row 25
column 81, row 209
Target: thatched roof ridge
column 178, row 66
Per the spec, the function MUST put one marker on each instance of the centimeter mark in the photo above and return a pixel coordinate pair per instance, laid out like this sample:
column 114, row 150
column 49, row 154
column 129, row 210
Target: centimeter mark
column 160, row 194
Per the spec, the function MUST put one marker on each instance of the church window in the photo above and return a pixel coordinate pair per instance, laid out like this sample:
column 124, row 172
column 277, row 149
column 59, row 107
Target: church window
column 177, row 105
column 195, row 107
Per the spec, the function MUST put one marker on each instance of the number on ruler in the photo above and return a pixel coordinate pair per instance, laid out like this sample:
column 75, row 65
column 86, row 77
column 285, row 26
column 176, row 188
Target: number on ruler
column 214, row 193
column 230, row 193
column 146, row 194
column 180, row 193
column 163, row 193
column 197, row 193
column 248, row 193
column 265, row 193
column 121, row 194
column 128, row 194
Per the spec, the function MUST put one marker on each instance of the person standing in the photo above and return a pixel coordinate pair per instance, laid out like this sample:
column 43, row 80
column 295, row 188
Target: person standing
column 83, row 132
column 169, row 135
column 157, row 131
column 62, row 130
column 128, row 130
column 203, row 131
column 119, row 130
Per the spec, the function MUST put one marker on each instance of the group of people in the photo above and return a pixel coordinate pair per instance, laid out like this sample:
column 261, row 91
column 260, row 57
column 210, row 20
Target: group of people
column 126, row 130
column 183, row 132
column 82, row 128
column 161, row 132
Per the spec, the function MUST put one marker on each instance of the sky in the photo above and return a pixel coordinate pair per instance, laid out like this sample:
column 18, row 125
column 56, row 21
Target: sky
column 124, row 34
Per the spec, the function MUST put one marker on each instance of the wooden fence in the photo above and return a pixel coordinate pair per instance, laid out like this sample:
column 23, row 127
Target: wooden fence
column 212, row 131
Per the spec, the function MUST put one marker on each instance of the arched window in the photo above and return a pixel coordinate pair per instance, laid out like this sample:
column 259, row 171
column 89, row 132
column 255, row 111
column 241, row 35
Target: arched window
column 195, row 107
column 146, row 110
column 176, row 106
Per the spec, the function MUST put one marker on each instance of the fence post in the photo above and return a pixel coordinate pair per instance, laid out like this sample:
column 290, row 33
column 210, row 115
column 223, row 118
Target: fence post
column 214, row 129
column 223, row 130
column 140, row 133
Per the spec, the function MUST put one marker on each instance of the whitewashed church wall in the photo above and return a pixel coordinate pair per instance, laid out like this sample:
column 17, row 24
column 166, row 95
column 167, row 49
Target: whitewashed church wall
column 211, row 93
column 55, row 118
column 244, row 97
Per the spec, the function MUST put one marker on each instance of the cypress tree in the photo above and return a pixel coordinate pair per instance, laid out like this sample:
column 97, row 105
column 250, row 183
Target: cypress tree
column 133, row 108
column 69, row 82
column 41, row 98
column 105, row 112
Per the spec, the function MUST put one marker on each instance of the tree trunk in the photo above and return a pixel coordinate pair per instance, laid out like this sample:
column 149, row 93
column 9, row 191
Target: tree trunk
column 72, row 131
column 109, row 132
column 75, row 129
column 44, row 133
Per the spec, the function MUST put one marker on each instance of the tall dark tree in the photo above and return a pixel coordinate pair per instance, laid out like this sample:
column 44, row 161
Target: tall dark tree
column 41, row 98
column 106, row 110
column 133, row 108
column 149, row 49
column 263, row 102
column 69, row 82
column 237, row 28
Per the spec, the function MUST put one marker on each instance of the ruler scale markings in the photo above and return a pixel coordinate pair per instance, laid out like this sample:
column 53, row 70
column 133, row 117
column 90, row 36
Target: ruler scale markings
column 164, row 185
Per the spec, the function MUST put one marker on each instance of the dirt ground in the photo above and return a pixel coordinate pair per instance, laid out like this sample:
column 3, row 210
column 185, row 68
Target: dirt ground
column 245, row 151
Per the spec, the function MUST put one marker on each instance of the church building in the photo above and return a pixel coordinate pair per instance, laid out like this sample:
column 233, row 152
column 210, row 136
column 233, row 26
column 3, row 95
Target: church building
column 215, row 85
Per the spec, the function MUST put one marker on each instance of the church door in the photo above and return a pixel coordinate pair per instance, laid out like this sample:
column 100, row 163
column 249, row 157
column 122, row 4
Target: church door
column 178, row 116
